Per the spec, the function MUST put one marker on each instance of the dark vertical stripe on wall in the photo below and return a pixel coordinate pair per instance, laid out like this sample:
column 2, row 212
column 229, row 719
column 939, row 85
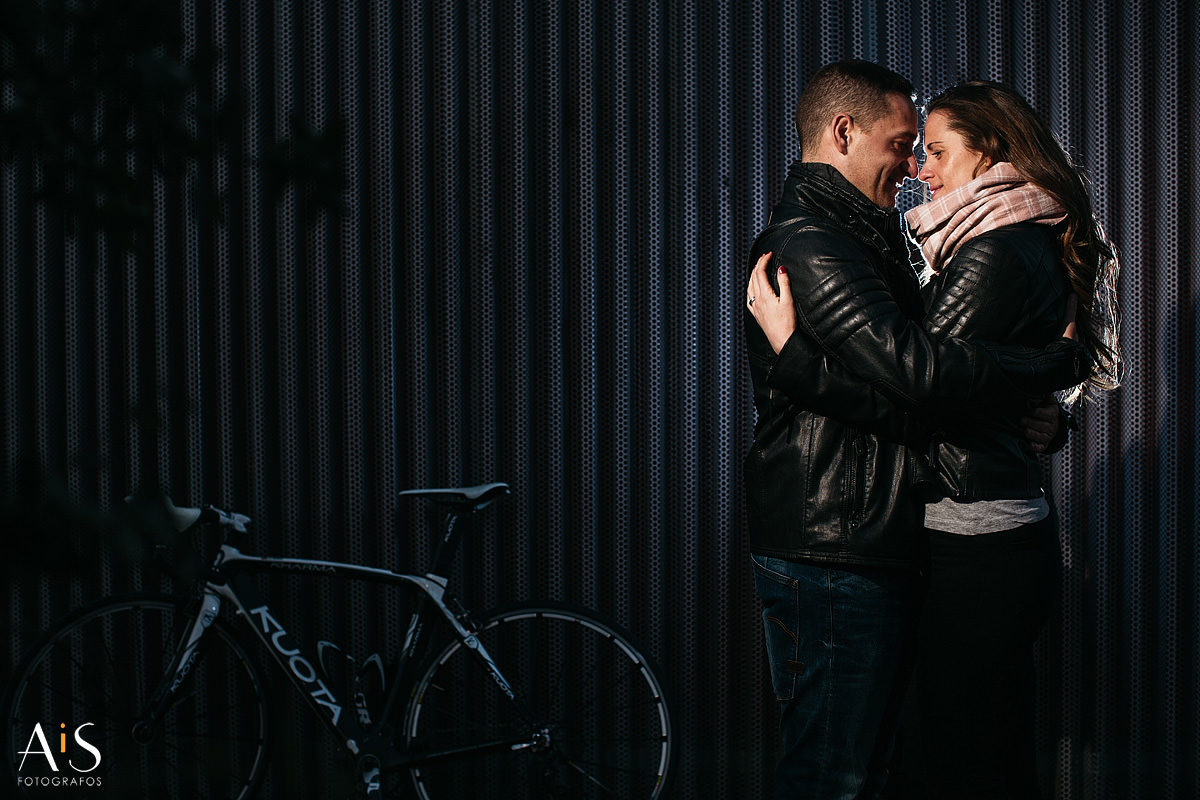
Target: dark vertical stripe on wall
column 538, row 278
column 1189, row 387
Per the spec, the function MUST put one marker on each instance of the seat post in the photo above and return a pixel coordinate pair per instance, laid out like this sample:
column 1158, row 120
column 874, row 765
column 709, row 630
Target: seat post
column 447, row 546
column 457, row 501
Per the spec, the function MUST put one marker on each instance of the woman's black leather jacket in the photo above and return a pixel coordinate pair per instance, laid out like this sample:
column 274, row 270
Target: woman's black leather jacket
column 1005, row 286
column 827, row 491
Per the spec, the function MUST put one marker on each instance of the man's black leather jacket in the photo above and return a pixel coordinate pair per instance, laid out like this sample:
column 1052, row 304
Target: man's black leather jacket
column 827, row 491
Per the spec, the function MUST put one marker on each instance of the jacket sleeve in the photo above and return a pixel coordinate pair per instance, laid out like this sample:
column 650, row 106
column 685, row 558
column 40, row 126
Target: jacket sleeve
column 982, row 291
column 847, row 311
column 835, row 392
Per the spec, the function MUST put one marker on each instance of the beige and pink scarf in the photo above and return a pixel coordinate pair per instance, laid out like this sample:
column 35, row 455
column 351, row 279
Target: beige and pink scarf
column 997, row 198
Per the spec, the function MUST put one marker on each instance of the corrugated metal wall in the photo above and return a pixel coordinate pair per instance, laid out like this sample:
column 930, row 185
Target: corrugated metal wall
column 538, row 279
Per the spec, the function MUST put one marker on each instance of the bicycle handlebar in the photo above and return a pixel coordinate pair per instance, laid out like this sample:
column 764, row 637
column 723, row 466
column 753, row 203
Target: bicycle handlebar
column 182, row 518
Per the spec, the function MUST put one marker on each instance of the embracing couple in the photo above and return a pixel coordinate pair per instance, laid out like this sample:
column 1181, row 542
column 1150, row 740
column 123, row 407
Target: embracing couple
column 898, row 523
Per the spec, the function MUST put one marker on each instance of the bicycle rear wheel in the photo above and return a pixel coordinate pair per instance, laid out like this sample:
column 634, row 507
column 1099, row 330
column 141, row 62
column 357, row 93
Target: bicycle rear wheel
column 588, row 698
column 97, row 669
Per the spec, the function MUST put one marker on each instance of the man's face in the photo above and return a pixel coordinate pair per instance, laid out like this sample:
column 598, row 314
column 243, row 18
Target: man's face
column 882, row 157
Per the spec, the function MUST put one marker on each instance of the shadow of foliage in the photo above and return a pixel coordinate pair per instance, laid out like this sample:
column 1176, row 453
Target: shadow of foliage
column 99, row 97
column 48, row 532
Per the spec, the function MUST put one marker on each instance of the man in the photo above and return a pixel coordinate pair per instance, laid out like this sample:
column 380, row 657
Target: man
column 833, row 509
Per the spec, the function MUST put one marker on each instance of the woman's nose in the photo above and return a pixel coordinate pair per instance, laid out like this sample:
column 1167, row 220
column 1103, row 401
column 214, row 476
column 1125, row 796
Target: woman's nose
column 925, row 174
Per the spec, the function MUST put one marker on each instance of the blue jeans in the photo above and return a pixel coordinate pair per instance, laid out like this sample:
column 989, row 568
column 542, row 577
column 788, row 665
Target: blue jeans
column 839, row 645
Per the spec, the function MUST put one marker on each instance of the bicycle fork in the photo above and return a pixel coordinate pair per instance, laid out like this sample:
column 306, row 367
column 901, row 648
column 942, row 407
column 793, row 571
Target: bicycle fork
column 184, row 658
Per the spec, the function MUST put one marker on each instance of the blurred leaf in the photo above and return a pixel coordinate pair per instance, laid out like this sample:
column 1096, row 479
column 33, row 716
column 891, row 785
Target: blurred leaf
column 98, row 98
column 313, row 162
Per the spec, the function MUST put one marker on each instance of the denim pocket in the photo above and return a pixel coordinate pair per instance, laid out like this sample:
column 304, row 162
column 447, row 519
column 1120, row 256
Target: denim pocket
column 773, row 569
column 780, row 598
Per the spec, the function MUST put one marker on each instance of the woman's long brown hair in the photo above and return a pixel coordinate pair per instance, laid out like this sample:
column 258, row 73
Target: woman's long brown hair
column 999, row 124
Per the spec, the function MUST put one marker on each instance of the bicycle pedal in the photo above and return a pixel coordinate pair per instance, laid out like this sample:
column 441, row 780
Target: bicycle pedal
column 371, row 785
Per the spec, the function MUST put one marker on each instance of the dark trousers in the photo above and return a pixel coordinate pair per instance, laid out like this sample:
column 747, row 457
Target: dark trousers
column 989, row 596
column 837, row 643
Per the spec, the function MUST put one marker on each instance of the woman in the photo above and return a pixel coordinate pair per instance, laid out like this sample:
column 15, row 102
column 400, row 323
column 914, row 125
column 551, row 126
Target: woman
column 1008, row 236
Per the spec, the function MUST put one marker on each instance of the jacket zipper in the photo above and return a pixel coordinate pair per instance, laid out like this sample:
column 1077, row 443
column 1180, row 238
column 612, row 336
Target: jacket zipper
column 853, row 515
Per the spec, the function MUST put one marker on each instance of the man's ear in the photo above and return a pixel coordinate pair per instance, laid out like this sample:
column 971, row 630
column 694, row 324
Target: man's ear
column 840, row 127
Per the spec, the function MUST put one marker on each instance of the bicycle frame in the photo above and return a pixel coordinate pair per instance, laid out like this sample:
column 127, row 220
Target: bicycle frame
column 574, row 707
column 228, row 581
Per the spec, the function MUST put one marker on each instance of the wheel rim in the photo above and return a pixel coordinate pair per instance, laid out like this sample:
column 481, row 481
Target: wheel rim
column 99, row 669
column 600, row 727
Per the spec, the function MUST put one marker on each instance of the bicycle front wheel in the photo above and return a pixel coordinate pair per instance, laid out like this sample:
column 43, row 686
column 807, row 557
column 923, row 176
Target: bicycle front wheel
column 589, row 720
column 76, row 711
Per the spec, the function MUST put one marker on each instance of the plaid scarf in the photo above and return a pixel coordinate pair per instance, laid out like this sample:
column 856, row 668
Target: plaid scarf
column 997, row 198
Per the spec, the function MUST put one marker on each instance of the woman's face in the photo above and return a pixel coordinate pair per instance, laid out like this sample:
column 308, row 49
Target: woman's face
column 948, row 162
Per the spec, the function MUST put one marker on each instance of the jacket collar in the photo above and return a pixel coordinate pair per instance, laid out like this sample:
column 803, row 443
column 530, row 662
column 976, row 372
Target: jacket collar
column 820, row 189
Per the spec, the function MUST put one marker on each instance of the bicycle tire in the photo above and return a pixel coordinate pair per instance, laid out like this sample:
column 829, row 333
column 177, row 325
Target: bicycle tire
column 96, row 668
column 582, row 680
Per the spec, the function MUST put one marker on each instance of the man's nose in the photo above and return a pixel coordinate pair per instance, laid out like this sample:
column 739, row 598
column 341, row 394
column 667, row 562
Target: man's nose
column 911, row 166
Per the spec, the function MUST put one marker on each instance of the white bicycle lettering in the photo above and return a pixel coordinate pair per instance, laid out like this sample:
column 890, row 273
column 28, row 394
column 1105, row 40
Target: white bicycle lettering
column 298, row 664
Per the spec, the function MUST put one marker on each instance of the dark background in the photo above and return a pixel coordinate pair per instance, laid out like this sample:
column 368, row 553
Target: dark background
column 293, row 257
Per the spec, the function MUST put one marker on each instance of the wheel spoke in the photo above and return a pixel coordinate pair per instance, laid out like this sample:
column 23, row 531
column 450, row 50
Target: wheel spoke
column 101, row 665
column 576, row 678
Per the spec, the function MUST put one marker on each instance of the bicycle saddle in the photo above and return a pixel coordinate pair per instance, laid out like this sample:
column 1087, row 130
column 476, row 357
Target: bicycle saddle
column 474, row 496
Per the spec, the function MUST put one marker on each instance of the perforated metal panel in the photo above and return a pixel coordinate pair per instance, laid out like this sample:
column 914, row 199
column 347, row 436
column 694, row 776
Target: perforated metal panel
column 538, row 279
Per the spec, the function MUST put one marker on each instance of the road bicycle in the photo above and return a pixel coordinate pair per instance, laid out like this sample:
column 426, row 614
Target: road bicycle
column 166, row 699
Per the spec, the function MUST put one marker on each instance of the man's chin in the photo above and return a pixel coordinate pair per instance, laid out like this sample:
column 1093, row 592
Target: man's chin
column 892, row 195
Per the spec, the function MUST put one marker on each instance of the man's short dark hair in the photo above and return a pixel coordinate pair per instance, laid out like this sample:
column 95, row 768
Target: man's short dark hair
column 858, row 88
